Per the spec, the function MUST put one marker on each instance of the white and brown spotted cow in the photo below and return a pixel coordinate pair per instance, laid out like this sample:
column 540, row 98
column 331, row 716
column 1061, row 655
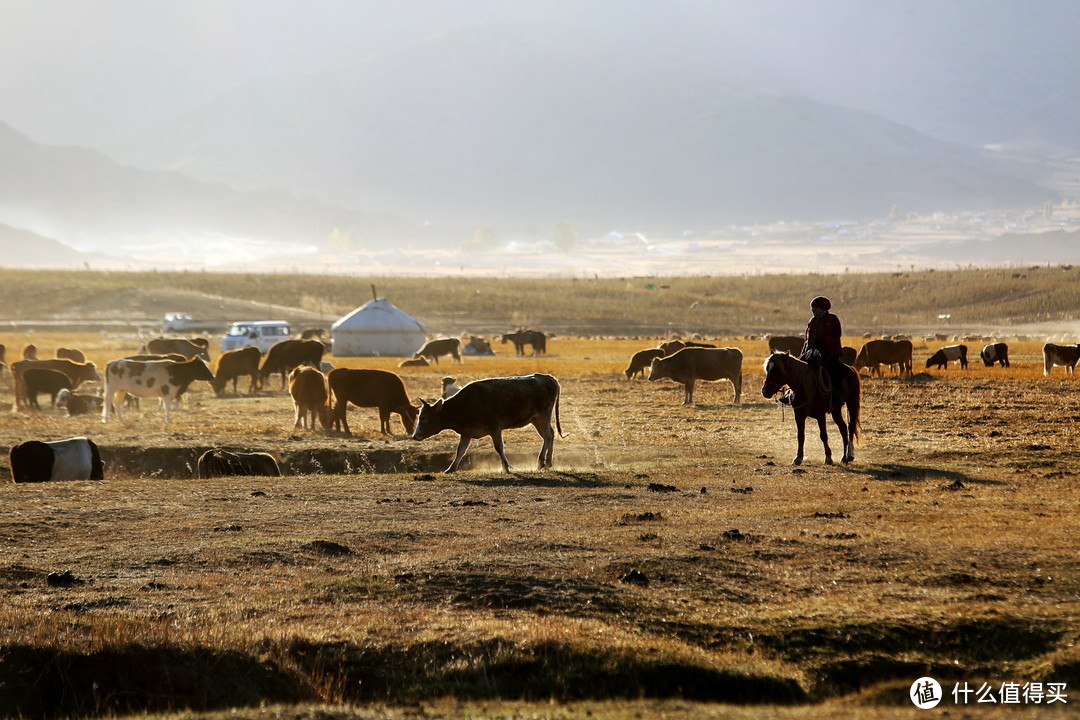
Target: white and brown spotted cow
column 1064, row 355
column 164, row 379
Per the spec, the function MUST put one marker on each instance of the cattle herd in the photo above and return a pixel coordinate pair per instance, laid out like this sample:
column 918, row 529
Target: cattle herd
column 165, row 368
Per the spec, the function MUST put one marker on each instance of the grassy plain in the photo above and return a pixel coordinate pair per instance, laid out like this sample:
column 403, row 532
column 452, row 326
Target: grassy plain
column 671, row 564
column 973, row 299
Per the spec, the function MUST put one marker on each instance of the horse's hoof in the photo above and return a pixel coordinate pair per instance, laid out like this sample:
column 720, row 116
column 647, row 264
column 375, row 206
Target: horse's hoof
column 846, row 460
column 797, row 461
column 828, row 461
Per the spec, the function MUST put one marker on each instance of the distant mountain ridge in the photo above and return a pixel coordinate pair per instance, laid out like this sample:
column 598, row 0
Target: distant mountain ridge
column 505, row 125
column 84, row 198
column 23, row 248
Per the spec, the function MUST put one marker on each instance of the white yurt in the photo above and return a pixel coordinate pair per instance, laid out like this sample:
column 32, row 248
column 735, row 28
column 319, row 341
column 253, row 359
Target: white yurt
column 377, row 328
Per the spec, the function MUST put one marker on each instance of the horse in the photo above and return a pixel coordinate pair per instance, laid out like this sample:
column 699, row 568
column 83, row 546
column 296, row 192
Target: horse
column 809, row 399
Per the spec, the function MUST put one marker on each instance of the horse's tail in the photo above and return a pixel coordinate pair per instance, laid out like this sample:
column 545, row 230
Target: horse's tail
column 854, row 403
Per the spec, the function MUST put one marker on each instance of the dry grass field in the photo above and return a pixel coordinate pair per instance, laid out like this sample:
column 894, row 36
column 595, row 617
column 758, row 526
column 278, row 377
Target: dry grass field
column 672, row 563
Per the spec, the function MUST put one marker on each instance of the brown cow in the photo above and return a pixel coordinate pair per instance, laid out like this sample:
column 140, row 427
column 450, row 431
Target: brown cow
column 487, row 407
column 533, row 338
column 30, row 352
column 689, row 365
column 70, row 354
column 885, row 352
column 673, row 346
column 791, row 344
column 444, row 346
column 370, row 388
column 76, row 372
column 289, row 354
column 175, row 357
column 1065, row 355
column 218, row 462
column 231, row 364
column 195, row 348
column 414, row 362
column 640, row 361
column 43, row 380
column 307, row 387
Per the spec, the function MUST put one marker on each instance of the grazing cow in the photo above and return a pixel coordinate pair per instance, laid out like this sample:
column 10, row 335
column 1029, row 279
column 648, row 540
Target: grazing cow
column 443, row 346
column 312, row 334
column 672, row 346
column 692, row 364
column 995, row 353
column 885, row 352
column 195, row 348
column 952, row 353
column 76, row 372
column 72, row 459
column 77, row 404
column 175, row 357
column 165, row 379
column 307, row 387
column 71, row 354
column 1065, row 355
column 791, row 344
column 218, row 462
column 533, row 338
column 414, row 362
column 449, row 388
column 487, row 407
column 640, row 361
column 370, row 388
column 848, row 355
column 289, row 354
column 232, row 364
column 43, row 380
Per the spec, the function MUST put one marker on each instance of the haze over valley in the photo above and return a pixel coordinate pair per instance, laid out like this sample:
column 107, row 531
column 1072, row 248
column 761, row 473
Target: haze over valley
column 565, row 137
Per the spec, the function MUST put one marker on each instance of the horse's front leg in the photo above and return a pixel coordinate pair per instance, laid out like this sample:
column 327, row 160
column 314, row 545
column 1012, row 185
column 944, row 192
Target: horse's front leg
column 800, row 433
column 824, row 439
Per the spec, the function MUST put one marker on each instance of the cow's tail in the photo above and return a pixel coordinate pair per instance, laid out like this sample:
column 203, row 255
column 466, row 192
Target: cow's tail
column 558, row 426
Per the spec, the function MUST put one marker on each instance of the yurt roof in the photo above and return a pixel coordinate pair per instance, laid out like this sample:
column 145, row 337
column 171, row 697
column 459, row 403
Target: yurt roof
column 378, row 315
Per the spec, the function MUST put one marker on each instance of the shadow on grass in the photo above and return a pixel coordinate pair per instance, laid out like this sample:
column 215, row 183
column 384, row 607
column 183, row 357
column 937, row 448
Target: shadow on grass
column 891, row 472
column 548, row 479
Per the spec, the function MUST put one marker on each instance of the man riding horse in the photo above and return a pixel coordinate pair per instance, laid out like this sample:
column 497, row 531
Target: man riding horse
column 823, row 348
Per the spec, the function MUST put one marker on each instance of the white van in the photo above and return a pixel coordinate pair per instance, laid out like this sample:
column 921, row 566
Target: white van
column 261, row 333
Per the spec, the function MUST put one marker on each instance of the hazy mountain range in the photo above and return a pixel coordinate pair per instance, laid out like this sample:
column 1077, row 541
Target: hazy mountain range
column 609, row 116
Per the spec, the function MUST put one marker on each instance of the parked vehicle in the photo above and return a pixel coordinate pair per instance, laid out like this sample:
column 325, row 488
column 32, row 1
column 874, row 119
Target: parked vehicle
column 182, row 322
column 263, row 334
